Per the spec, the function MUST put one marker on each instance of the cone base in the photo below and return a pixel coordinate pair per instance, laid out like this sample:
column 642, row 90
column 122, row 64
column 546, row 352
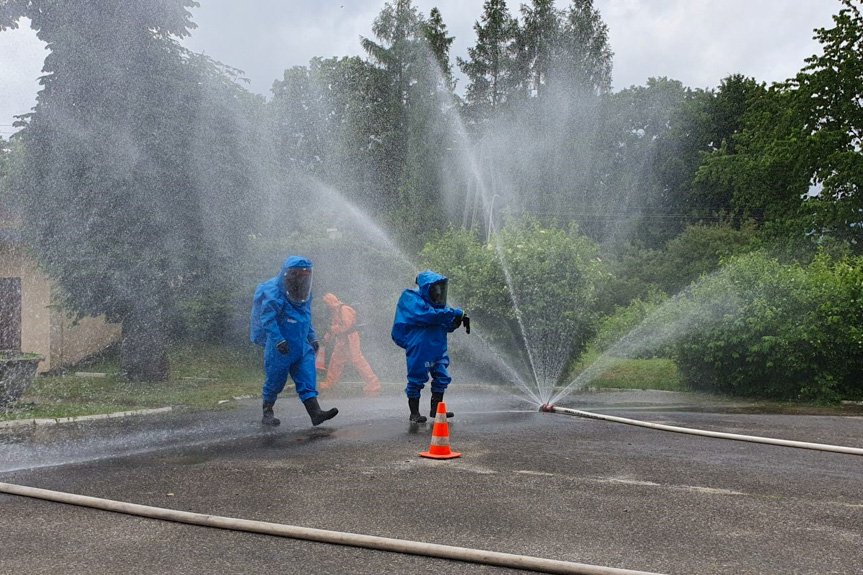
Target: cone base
column 431, row 455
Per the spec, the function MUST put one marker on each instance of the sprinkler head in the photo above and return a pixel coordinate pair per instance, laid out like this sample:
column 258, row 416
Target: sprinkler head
column 547, row 407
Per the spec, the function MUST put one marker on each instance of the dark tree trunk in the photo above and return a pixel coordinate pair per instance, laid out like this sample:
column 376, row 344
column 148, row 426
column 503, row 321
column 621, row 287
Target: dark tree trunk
column 144, row 349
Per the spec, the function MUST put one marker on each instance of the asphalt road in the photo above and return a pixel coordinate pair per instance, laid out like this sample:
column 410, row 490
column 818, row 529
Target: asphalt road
column 529, row 483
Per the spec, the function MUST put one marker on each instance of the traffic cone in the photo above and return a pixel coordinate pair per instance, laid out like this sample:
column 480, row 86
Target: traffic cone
column 440, row 437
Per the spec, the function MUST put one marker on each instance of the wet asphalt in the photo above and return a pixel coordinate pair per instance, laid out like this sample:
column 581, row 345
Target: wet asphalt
column 545, row 485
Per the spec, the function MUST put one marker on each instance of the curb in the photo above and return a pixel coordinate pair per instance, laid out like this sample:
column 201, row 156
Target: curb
column 33, row 422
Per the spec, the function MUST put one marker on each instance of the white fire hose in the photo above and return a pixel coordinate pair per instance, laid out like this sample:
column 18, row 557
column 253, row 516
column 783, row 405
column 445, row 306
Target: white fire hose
column 494, row 558
column 718, row 434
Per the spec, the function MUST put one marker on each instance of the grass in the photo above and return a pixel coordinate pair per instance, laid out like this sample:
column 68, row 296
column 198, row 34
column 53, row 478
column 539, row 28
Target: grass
column 620, row 373
column 201, row 376
column 662, row 374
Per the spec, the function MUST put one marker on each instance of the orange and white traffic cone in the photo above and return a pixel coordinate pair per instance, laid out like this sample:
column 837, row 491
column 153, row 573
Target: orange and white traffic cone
column 440, row 437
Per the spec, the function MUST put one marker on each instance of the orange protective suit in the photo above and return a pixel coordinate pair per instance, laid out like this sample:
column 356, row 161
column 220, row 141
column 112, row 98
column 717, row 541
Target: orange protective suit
column 346, row 347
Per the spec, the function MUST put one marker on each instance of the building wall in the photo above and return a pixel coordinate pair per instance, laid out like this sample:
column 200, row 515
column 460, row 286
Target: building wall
column 72, row 343
column 47, row 331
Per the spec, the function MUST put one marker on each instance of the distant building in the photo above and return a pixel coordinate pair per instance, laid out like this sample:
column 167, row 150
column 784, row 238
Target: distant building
column 27, row 319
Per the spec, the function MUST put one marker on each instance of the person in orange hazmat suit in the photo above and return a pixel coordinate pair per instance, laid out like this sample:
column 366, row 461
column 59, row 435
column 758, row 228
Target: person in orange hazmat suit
column 345, row 341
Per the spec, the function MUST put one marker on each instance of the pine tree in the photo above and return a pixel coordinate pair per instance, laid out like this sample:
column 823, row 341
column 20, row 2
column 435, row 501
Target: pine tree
column 492, row 67
column 539, row 39
column 435, row 33
column 585, row 57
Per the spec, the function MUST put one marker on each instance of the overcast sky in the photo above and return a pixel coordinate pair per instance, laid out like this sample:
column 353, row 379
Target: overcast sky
column 698, row 42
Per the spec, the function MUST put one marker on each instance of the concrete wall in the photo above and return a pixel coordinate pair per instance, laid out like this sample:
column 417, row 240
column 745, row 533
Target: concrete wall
column 47, row 331
column 72, row 343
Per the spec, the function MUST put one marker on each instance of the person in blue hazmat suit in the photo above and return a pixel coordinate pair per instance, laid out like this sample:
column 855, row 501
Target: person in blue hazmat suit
column 282, row 324
column 421, row 325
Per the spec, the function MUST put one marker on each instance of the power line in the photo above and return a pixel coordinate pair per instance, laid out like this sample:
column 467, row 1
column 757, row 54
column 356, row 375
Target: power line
column 610, row 216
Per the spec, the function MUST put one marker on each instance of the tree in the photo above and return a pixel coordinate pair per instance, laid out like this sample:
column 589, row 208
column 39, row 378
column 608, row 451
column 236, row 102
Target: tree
column 735, row 95
column 726, row 115
column 6, row 209
column 136, row 159
column 491, row 67
column 439, row 43
column 5, row 155
column 538, row 43
column 399, row 53
column 397, row 28
column 829, row 96
column 654, row 139
column 332, row 119
column 413, row 55
column 585, row 56
column 796, row 164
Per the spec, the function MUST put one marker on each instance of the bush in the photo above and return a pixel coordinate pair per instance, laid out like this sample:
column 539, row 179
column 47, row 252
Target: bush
column 698, row 250
column 762, row 328
column 626, row 319
column 550, row 273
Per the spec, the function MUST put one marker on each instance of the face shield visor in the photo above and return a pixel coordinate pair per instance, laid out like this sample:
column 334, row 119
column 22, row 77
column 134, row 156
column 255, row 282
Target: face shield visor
column 437, row 293
column 298, row 284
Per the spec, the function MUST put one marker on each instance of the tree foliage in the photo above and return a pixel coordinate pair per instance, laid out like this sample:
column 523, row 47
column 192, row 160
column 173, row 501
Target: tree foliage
column 538, row 41
column 134, row 157
column 145, row 169
column 585, row 57
column 766, row 329
column 795, row 166
column 491, row 68
column 829, row 95
column 544, row 292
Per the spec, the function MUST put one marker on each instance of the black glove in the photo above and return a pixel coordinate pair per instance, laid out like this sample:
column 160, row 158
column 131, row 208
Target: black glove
column 315, row 345
column 456, row 322
column 466, row 321
column 283, row 348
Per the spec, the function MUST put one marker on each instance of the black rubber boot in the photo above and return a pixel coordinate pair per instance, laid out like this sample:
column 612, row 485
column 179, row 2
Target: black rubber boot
column 437, row 398
column 414, row 404
column 268, row 418
column 316, row 413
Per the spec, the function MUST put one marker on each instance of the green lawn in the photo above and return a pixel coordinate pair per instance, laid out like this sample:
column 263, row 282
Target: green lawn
column 623, row 373
column 201, row 376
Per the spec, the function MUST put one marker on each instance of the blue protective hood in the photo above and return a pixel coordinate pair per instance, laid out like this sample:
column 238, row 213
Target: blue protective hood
column 291, row 262
column 425, row 280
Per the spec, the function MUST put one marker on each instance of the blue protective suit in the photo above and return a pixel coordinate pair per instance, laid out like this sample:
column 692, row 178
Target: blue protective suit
column 420, row 328
column 284, row 320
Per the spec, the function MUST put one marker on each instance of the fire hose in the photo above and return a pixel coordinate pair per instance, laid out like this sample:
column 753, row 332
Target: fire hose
column 717, row 434
column 464, row 554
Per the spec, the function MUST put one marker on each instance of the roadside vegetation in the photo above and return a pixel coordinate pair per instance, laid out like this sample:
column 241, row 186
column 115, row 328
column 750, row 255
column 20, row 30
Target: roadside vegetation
column 703, row 239
column 201, row 376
